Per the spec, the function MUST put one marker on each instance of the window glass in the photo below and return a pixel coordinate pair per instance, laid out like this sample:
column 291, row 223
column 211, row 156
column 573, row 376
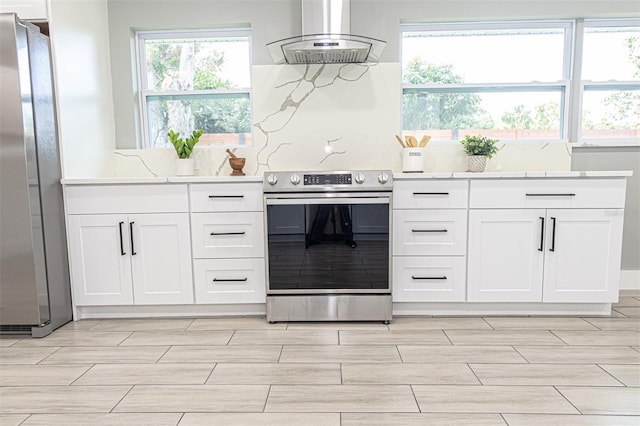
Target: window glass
column 195, row 80
column 611, row 53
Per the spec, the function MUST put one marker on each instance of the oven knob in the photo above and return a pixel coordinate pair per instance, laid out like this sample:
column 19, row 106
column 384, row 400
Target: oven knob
column 295, row 179
column 383, row 178
column 272, row 179
column 359, row 178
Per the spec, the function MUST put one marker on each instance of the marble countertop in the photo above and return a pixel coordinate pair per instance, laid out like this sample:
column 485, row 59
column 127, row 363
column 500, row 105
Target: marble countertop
column 396, row 176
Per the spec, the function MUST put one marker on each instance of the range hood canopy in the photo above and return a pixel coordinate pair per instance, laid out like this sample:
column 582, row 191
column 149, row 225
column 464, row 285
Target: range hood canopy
column 326, row 25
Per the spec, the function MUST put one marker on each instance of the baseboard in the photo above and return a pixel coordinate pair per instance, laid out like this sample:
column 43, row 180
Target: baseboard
column 630, row 279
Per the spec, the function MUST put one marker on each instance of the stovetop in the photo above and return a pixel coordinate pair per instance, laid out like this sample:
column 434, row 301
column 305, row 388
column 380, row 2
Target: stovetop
column 328, row 181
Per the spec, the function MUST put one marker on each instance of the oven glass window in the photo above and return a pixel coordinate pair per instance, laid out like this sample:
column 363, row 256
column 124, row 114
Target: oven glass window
column 328, row 247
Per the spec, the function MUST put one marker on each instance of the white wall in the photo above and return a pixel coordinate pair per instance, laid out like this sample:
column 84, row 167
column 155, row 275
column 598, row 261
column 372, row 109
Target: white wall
column 80, row 43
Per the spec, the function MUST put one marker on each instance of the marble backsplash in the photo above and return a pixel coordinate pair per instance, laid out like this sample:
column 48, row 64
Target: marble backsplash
column 333, row 117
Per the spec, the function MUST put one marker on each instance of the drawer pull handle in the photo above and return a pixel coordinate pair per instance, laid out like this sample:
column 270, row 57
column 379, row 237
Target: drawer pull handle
column 430, row 193
column 444, row 277
column 429, row 230
column 228, row 233
column 551, row 195
column 216, row 280
column 226, row 196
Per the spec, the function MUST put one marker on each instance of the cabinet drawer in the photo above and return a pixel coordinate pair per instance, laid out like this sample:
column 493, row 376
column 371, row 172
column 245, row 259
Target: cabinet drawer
column 548, row 193
column 226, row 197
column 229, row 280
column 226, row 235
column 429, row 232
column 429, row 279
column 430, row 194
column 91, row 199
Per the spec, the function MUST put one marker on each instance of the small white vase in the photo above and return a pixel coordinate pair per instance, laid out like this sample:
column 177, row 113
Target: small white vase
column 185, row 167
column 476, row 163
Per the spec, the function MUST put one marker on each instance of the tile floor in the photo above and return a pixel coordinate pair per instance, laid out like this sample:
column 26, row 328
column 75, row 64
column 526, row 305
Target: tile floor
column 242, row 371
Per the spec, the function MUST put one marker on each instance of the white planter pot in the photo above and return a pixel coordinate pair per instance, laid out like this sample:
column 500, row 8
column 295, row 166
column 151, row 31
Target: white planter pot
column 476, row 163
column 185, row 166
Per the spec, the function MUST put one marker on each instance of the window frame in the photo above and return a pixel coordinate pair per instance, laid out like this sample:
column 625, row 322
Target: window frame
column 144, row 93
column 563, row 85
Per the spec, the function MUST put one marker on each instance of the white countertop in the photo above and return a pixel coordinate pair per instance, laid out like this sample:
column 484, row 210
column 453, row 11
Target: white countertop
column 160, row 179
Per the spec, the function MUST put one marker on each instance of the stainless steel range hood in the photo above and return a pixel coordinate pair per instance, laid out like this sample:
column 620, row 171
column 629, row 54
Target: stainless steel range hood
column 326, row 38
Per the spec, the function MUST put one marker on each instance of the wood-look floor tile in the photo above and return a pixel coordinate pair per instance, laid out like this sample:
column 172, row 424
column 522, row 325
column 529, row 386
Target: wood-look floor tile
column 569, row 420
column 25, row 355
column 430, row 323
column 237, row 353
column 285, row 337
column 107, row 419
column 459, row 354
column 579, row 354
column 407, row 373
column 202, row 398
column 143, row 324
column 39, row 375
column 624, row 301
column 539, row 323
column 85, row 324
column 340, row 398
column 629, row 311
column 76, row 338
column 502, row 337
column 10, row 340
column 603, row 400
column 179, row 338
column 335, row 353
column 627, row 374
column 420, row 419
column 146, row 374
column 393, row 337
column 275, row 374
column 543, row 374
column 242, row 323
column 12, row 419
column 60, row 399
column 600, row 338
column 491, row 399
column 261, row 419
column 337, row 325
column 106, row 355
column 615, row 323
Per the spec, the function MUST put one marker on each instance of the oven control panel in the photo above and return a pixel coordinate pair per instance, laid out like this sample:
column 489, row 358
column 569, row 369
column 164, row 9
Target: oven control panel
column 303, row 181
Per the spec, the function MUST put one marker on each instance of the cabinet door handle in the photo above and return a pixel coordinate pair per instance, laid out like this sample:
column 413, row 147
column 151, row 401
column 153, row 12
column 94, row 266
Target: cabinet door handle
column 413, row 277
column 553, row 234
column 133, row 252
column 226, row 196
column 541, row 234
column 429, row 230
column 551, row 195
column 122, row 252
column 430, row 193
column 227, row 233
column 216, row 280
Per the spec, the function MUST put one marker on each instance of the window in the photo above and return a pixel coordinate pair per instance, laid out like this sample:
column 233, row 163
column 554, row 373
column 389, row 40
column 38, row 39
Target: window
column 611, row 80
column 502, row 80
column 195, row 80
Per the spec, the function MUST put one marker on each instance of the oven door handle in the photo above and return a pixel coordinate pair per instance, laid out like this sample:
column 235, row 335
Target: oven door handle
column 336, row 199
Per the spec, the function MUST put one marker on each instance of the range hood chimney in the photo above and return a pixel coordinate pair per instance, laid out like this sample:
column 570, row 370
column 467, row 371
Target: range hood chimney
column 326, row 39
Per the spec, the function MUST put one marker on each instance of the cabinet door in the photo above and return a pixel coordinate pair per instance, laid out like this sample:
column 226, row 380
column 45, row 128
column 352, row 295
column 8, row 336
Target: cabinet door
column 99, row 258
column 505, row 256
column 582, row 255
column 161, row 258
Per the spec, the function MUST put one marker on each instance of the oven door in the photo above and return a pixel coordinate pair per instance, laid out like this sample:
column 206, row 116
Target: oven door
column 337, row 243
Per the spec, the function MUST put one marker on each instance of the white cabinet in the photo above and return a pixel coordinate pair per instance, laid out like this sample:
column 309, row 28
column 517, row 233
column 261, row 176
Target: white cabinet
column 28, row 10
column 569, row 255
column 129, row 257
column 228, row 243
column 429, row 240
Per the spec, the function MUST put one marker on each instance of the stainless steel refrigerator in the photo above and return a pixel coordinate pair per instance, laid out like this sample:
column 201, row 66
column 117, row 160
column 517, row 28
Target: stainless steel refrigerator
column 35, row 294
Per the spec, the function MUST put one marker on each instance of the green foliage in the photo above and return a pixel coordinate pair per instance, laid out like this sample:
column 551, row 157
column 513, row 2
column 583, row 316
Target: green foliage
column 184, row 148
column 422, row 110
column 545, row 116
column 479, row 145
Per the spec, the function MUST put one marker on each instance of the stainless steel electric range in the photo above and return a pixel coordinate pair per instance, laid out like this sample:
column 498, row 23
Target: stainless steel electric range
column 328, row 245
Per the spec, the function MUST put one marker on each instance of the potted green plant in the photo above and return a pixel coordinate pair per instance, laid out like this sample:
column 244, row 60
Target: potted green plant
column 184, row 149
column 478, row 149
